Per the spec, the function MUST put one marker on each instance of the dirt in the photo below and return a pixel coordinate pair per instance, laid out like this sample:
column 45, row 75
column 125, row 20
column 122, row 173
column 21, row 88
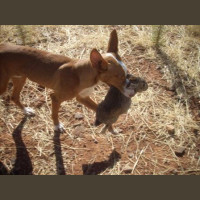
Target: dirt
column 81, row 153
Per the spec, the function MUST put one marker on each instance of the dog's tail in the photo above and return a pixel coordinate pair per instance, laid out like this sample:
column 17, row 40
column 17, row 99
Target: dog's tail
column 97, row 122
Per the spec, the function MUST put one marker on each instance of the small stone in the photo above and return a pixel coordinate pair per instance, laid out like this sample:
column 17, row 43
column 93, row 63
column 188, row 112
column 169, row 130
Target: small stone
column 170, row 129
column 127, row 169
column 78, row 115
column 174, row 172
column 180, row 151
column 130, row 155
column 166, row 162
column 78, row 131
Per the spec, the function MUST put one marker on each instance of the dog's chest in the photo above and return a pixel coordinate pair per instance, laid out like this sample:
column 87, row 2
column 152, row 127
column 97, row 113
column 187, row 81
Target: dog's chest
column 87, row 91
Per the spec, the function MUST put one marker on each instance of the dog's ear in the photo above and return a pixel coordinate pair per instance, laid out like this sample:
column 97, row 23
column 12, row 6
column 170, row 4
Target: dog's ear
column 113, row 42
column 97, row 61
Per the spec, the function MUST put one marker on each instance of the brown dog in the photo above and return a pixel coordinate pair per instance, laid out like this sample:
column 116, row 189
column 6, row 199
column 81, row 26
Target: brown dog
column 68, row 78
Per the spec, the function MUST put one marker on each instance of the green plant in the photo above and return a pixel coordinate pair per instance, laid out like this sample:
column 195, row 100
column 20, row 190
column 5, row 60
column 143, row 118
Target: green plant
column 194, row 29
column 22, row 33
column 157, row 34
column 25, row 33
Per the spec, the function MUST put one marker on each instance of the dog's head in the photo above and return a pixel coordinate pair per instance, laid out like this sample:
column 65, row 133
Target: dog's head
column 111, row 69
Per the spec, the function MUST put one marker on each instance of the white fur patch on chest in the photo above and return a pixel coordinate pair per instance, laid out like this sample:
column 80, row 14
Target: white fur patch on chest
column 119, row 62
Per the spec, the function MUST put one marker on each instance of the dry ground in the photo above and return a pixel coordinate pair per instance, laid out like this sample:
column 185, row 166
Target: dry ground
column 145, row 144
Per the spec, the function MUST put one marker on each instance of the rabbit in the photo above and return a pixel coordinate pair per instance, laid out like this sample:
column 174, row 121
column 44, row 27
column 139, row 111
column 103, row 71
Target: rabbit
column 116, row 103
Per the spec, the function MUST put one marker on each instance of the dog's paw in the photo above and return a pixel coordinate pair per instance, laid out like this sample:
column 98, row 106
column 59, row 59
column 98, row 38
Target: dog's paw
column 59, row 128
column 29, row 111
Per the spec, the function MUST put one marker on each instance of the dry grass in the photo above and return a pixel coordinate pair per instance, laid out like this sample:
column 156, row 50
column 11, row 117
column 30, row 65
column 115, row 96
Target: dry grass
column 145, row 146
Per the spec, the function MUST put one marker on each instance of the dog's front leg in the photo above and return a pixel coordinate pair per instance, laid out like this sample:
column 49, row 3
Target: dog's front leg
column 56, row 102
column 87, row 101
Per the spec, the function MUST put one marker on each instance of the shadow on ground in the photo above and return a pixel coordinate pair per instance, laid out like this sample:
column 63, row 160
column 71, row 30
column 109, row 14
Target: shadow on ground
column 58, row 153
column 3, row 169
column 185, row 92
column 22, row 164
column 98, row 167
column 178, row 75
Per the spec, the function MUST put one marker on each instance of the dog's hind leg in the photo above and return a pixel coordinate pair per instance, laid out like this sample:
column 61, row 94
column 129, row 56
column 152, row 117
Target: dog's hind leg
column 18, row 83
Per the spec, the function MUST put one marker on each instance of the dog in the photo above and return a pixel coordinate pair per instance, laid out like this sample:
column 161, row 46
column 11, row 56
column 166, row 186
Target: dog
column 115, row 103
column 68, row 78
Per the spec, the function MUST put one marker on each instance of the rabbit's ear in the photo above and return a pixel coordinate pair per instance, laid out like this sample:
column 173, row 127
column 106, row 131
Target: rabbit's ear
column 130, row 76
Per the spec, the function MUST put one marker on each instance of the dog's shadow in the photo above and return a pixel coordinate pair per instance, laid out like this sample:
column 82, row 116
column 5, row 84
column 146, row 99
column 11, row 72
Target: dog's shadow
column 23, row 164
column 98, row 167
column 58, row 153
column 3, row 169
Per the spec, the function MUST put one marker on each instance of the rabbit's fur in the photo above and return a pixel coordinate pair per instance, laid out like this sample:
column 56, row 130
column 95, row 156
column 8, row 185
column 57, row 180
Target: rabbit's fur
column 115, row 103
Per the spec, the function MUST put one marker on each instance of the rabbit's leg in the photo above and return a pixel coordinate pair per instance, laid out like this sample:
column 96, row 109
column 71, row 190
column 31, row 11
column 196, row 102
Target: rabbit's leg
column 104, row 129
column 110, row 129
